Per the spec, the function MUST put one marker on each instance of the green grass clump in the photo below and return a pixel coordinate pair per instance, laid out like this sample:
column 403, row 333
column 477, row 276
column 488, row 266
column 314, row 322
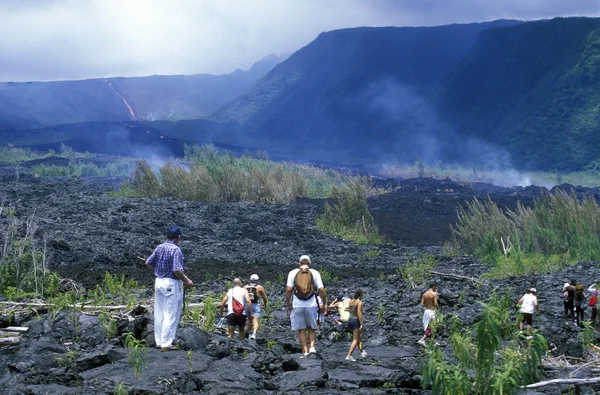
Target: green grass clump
column 487, row 359
column 10, row 155
column 558, row 230
column 118, row 168
column 415, row 271
column 349, row 217
column 220, row 176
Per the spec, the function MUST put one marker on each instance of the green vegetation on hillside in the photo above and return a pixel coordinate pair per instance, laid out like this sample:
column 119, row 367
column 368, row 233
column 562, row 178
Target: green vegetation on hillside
column 219, row 176
column 559, row 229
column 349, row 217
column 491, row 359
column 120, row 168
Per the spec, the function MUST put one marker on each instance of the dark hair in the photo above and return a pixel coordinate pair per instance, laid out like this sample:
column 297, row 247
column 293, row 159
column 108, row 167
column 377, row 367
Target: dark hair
column 358, row 294
column 432, row 285
column 173, row 232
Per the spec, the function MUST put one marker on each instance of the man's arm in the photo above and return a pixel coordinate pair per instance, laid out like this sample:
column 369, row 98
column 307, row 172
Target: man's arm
column 222, row 304
column 248, row 303
column 288, row 299
column 323, row 296
column 263, row 294
column 186, row 281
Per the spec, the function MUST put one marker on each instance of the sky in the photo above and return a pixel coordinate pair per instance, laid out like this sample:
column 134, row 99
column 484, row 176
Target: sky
column 45, row 40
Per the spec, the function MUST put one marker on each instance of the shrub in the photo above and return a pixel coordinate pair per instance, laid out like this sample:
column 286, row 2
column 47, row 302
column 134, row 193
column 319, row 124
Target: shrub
column 557, row 229
column 219, row 176
column 23, row 263
column 118, row 168
column 415, row 271
column 499, row 366
column 349, row 217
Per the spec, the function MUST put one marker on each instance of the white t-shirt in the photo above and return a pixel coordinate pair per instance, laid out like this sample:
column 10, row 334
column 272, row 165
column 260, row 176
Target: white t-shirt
column 312, row 302
column 239, row 294
column 528, row 305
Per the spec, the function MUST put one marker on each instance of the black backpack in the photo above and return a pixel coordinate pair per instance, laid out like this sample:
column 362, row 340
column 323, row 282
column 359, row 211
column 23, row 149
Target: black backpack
column 304, row 284
column 253, row 293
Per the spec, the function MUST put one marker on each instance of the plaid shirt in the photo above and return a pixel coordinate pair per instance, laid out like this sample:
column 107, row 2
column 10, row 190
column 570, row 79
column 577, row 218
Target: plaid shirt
column 166, row 259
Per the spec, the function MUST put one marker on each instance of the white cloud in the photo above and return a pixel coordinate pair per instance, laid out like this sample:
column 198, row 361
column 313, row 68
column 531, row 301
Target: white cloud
column 73, row 39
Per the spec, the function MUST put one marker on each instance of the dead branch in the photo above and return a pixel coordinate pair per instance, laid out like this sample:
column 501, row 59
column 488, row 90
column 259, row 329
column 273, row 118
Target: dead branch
column 592, row 380
column 457, row 276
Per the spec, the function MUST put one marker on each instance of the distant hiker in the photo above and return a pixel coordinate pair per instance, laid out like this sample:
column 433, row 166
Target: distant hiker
column 355, row 322
column 565, row 297
column 429, row 301
column 303, row 284
column 255, row 290
column 236, row 299
column 580, row 304
column 167, row 263
column 341, row 304
column 529, row 304
column 593, row 303
column 571, row 299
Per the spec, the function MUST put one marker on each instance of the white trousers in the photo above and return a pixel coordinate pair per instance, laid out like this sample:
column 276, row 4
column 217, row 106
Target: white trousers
column 168, row 302
column 428, row 316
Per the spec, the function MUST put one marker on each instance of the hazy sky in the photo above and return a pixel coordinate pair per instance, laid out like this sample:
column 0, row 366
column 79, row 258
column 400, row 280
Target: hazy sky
column 75, row 39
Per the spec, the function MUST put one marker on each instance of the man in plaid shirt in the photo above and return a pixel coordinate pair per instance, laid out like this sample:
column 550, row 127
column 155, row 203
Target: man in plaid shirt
column 167, row 263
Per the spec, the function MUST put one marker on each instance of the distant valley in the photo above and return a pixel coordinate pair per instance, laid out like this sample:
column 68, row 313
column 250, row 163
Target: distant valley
column 495, row 94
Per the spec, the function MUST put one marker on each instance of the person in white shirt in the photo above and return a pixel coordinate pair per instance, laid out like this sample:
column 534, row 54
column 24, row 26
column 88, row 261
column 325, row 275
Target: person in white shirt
column 302, row 305
column 238, row 305
column 529, row 305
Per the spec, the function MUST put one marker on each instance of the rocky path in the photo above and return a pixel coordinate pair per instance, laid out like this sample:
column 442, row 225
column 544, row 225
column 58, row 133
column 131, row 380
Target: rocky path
column 89, row 232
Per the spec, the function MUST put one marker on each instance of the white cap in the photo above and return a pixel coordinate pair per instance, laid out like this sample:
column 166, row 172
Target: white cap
column 304, row 259
column 532, row 290
column 254, row 277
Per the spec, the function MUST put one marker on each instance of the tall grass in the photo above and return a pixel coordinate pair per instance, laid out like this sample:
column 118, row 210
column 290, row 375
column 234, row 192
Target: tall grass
column 23, row 263
column 558, row 228
column 120, row 168
column 349, row 217
column 219, row 176
column 507, row 177
column 10, row 155
column 486, row 361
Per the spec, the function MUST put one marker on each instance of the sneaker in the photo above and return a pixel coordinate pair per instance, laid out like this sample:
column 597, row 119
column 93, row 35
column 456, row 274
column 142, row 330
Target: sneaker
column 312, row 351
column 350, row 358
column 529, row 337
column 304, row 355
column 363, row 354
column 252, row 336
column 172, row 348
column 422, row 342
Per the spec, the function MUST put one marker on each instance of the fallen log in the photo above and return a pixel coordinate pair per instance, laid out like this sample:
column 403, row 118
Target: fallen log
column 18, row 329
column 592, row 380
column 9, row 340
column 457, row 276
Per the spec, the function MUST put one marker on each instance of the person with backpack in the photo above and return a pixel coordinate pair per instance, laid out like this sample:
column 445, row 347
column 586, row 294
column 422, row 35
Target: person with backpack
column 236, row 299
column 355, row 323
column 580, row 304
column 593, row 303
column 255, row 290
column 529, row 304
column 302, row 287
column 167, row 263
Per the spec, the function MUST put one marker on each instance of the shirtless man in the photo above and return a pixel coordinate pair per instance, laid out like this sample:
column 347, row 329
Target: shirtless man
column 429, row 301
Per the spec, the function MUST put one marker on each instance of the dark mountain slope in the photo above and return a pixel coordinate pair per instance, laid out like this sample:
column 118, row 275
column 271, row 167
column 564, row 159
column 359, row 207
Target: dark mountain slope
column 361, row 91
column 38, row 104
column 533, row 89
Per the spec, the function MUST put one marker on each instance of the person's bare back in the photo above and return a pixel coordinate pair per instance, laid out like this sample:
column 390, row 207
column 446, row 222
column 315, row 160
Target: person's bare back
column 429, row 299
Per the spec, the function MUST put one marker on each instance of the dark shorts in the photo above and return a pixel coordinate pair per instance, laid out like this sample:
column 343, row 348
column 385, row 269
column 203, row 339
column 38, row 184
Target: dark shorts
column 528, row 318
column 353, row 323
column 236, row 320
